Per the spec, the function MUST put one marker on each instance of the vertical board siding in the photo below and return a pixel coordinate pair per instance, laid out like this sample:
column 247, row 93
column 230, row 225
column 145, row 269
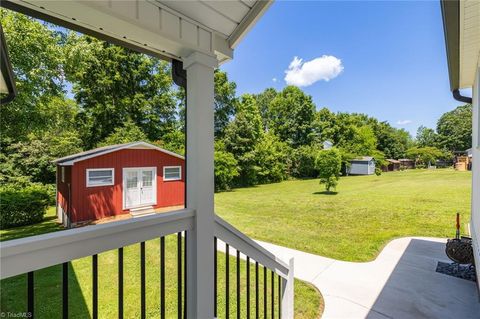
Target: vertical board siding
column 62, row 188
column 91, row 203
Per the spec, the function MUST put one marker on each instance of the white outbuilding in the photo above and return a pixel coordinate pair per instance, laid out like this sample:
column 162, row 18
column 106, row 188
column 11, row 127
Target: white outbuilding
column 362, row 166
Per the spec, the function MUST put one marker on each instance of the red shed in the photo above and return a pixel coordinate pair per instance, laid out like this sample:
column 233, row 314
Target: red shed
column 118, row 179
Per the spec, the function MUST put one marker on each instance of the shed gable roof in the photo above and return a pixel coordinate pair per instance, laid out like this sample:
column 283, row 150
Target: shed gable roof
column 363, row 159
column 72, row 159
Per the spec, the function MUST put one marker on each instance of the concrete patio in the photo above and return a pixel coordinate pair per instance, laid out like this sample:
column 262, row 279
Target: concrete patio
column 400, row 283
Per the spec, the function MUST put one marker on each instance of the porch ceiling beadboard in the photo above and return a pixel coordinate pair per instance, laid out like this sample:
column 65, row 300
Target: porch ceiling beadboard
column 168, row 29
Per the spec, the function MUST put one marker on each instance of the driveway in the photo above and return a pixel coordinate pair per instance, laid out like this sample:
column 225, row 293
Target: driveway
column 400, row 283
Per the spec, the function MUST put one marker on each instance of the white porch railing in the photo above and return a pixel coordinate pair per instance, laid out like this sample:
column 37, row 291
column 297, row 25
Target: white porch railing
column 30, row 254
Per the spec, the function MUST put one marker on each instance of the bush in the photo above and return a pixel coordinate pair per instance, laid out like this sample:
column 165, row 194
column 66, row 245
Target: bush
column 226, row 169
column 23, row 206
column 304, row 161
column 329, row 163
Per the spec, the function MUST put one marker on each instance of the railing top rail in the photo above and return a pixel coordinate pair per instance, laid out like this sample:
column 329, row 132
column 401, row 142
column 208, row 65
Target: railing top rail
column 232, row 236
column 32, row 253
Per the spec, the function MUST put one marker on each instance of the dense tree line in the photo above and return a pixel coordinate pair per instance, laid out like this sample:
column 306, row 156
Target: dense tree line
column 77, row 93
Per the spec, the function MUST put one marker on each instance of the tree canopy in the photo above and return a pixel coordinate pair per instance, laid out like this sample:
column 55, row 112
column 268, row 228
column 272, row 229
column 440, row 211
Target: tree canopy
column 77, row 92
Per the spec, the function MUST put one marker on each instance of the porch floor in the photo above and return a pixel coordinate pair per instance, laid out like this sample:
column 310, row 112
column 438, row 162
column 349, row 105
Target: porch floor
column 166, row 209
column 400, row 283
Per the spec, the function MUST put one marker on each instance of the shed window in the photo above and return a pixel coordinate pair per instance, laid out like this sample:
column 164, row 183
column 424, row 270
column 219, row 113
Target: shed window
column 63, row 174
column 100, row 177
column 172, row 173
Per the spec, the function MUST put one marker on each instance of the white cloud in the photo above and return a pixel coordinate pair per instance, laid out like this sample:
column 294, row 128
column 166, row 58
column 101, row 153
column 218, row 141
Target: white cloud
column 404, row 122
column 301, row 73
column 274, row 80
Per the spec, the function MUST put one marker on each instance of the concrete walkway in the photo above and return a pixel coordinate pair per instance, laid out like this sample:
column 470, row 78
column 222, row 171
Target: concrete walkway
column 400, row 283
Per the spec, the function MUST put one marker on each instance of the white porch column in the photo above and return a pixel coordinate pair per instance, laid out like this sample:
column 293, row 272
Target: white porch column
column 200, row 187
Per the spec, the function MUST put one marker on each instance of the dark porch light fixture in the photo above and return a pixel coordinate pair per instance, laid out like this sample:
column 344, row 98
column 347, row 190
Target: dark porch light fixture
column 7, row 81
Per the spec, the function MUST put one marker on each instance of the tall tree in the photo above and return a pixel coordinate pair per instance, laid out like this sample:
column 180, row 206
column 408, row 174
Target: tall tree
column 263, row 100
column 241, row 137
column 454, row 129
column 114, row 85
column 36, row 55
column 391, row 141
column 426, row 137
column 224, row 100
column 291, row 116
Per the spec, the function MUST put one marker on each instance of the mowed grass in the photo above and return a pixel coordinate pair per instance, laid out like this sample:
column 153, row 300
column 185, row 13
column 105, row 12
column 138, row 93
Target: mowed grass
column 48, row 283
column 48, row 225
column 355, row 223
column 48, row 287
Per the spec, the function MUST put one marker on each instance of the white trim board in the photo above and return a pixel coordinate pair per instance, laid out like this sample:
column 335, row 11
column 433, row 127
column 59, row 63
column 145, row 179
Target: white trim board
column 134, row 145
column 172, row 179
column 124, row 186
column 88, row 170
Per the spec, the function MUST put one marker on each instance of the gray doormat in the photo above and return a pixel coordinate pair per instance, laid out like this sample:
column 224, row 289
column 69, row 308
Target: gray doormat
column 460, row 271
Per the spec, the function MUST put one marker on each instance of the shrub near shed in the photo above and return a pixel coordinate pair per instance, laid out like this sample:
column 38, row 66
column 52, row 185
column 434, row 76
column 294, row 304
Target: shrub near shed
column 22, row 206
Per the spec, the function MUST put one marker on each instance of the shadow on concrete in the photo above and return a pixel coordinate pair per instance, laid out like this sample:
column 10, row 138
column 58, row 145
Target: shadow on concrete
column 415, row 290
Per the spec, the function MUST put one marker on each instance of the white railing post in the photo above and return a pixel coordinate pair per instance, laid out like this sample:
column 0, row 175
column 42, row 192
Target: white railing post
column 200, row 183
column 288, row 293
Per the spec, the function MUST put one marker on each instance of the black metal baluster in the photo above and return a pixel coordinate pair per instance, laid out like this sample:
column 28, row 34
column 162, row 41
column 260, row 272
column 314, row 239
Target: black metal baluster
column 120, row 283
column 95, row 286
column 179, row 274
column 279, row 297
column 272, row 289
column 238, row 284
column 185, row 277
column 162, row 277
column 248, row 287
column 257, row 311
column 264, row 292
column 227, row 281
column 65, row 290
column 30, row 294
column 215, row 277
column 142, row 281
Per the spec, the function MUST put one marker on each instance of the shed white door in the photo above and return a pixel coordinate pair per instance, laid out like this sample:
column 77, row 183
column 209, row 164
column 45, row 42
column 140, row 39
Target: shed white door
column 139, row 187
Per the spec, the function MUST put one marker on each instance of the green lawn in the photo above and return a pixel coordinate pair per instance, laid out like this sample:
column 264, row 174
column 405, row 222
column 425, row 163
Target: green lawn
column 48, row 225
column 354, row 224
column 48, row 283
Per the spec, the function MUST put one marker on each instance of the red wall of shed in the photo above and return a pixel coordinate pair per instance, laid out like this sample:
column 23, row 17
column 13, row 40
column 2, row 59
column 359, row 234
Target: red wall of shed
column 92, row 203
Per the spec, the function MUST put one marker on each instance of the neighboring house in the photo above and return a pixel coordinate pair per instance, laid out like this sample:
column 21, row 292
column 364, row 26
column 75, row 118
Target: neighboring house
column 406, row 163
column 362, row 166
column 118, row 179
column 327, row 145
column 391, row 166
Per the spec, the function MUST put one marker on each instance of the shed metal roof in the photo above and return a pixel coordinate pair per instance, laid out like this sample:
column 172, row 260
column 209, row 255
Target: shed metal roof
column 363, row 159
column 72, row 159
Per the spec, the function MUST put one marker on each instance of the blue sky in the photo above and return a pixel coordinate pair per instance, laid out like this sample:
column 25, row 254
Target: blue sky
column 392, row 54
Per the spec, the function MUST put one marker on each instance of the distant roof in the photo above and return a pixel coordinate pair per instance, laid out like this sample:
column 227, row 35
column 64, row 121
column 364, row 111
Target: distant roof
column 363, row 159
column 405, row 160
column 393, row 161
column 71, row 159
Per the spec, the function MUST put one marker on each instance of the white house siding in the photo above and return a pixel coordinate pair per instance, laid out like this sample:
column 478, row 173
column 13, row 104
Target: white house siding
column 475, row 219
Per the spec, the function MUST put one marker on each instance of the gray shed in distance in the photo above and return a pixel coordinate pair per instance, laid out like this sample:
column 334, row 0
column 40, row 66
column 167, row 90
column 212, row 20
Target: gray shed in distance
column 362, row 166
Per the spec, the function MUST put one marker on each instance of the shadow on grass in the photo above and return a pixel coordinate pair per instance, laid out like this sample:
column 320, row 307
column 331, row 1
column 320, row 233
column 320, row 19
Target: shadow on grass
column 48, row 294
column 325, row 193
column 48, row 225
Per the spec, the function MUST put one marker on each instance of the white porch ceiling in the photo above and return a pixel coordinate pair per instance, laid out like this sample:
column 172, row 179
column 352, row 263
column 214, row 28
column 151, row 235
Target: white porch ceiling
column 172, row 29
column 469, row 41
